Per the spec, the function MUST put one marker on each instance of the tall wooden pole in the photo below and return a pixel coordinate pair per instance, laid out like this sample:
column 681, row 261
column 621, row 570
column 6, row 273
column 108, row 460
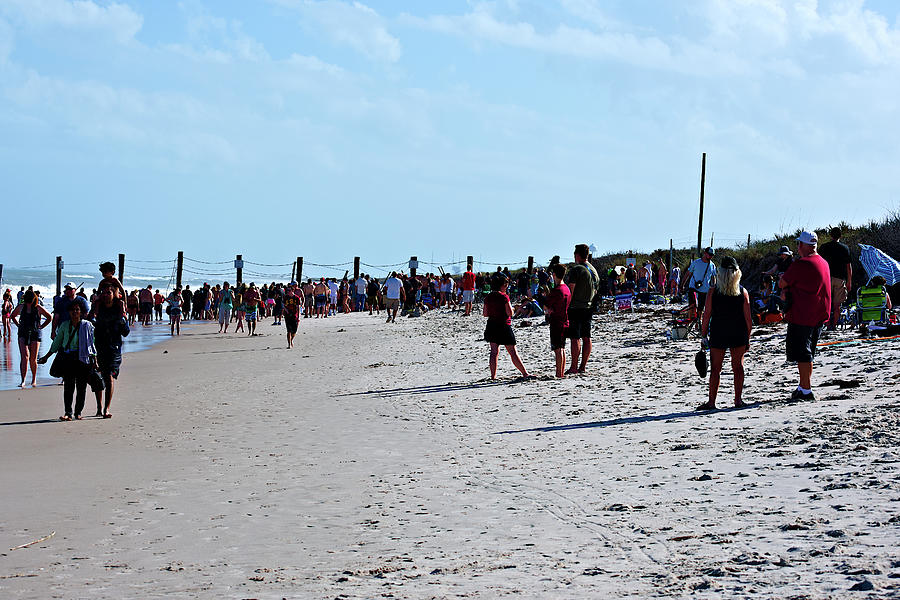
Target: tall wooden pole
column 122, row 269
column 1, row 274
column 299, row 268
column 412, row 272
column 179, row 268
column 470, row 263
column 59, row 263
column 702, row 189
column 240, row 270
column 671, row 250
column 355, row 267
column 530, row 265
column 748, row 241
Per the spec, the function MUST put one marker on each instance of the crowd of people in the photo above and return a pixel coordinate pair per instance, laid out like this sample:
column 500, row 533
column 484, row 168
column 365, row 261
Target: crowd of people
column 87, row 332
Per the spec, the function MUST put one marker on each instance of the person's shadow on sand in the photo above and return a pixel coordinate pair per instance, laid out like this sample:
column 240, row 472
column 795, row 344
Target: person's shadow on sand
column 627, row 420
column 35, row 422
column 434, row 389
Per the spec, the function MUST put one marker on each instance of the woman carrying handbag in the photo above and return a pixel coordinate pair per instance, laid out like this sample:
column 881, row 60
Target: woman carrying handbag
column 75, row 360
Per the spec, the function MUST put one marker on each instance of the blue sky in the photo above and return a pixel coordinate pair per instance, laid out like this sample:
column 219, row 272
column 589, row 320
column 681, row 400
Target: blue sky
column 501, row 129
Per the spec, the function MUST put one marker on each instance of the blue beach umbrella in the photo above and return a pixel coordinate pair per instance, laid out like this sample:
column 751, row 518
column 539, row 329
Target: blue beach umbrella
column 876, row 262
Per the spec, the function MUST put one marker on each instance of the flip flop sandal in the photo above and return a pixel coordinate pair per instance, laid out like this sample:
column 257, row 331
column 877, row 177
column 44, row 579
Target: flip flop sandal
column 705, row 407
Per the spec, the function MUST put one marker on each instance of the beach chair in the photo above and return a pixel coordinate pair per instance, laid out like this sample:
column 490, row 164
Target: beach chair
column 624, row 302
column 871, row 305
column 686, row 322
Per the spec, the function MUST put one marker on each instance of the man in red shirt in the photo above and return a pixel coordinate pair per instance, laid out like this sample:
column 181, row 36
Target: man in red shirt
column 806, row 287
column 558, row 316
column 468, row 290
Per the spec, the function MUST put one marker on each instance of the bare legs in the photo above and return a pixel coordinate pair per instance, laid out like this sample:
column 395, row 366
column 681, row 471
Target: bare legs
column 513, row 355
column 29, row 354
column 581, row 348
column 717, row 358
column 560, row 362
column 805, row 369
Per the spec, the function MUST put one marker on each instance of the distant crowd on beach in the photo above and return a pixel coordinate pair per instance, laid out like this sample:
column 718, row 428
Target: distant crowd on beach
column 807, row 290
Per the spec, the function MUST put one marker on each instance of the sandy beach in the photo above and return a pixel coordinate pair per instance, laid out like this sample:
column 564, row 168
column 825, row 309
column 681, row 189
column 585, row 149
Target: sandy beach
column 377, row 461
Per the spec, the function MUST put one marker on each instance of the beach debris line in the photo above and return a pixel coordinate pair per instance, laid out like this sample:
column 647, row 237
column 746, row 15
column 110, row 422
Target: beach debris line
column 43, row 539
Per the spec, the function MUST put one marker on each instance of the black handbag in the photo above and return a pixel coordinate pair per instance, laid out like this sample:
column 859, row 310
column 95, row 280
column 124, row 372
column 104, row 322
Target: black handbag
column 95, row 380
column 59, row 366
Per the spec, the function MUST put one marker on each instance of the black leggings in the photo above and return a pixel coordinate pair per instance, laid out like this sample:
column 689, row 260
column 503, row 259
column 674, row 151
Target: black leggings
column 75, row 382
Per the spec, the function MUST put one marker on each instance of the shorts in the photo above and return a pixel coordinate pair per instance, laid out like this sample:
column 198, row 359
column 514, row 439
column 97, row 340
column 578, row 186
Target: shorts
column 29, row 336
column 468, row 295
column 557, row 335
column 579, row 324
column 392, row 303
column 838, row 294
column 109, row 363
column 499, row 332
column 800, row 343
column 250, row 315
column 290, row 323
column 372, row 299
column 320, row 300
column 146, row 308
column 224, row 314
column 174, row 311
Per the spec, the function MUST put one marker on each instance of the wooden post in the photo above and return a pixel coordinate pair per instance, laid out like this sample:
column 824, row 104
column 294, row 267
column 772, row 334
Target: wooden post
column 179, row 267
column 712, row 238
column 412, row 272
column 748, row 241
column 702, row 189
column 355, row 268
column 671, row 250
column 122, row 269
column 240, row 270
column 530, row 265
column 470, row 263
column 59, row 263
column 1, row 274
column 299, row 268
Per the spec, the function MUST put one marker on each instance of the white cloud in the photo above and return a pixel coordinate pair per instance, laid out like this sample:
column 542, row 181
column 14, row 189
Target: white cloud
column 354, row 25
column 118, row 20
column 218, row 39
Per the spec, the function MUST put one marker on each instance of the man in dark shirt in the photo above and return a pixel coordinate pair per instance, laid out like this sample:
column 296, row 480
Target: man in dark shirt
column 186, row 297
column 837, row 255
column 61, row 307
column 110, row 326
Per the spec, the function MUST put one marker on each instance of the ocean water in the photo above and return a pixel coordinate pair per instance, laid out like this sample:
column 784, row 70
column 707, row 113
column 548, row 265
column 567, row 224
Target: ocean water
column 44, row 281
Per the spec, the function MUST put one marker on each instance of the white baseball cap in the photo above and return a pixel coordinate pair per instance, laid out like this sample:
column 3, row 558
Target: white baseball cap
column 806, row 237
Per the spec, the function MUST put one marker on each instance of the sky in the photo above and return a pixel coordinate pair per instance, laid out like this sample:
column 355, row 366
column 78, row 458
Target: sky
column 332, row 129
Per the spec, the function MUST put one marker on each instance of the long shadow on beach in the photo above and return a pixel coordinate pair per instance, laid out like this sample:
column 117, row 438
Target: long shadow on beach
column 625, row 420
column 432, row 389
column 35, row 422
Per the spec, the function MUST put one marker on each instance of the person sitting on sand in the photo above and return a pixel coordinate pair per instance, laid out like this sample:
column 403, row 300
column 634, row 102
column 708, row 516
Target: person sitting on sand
column 727, row 324
column 499, row 329
column 526, row 308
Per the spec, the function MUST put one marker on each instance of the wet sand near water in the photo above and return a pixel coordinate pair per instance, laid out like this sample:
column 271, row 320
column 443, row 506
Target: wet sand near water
column 376, row 460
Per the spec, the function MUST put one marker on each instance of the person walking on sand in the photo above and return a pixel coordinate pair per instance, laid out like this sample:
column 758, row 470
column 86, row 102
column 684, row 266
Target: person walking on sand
column 726, row 325
column 393, row 295
column 498, row 331
column 7, row 315
column 806, row 287
column 27, row 318
column 146, row 299
column 293, row 302
column 320, row 293
column 583, row 282
column 700, row 277
column 75, row 342
column 332, row 296
column 158, row 300
column 468, row 291
column 110, row 326
column 558, row 316
column 840, row 266
column 226, row 304
column 175, row 301
column 251, row 304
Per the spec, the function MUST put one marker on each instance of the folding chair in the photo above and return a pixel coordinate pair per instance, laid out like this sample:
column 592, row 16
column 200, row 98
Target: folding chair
column 871, row 305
